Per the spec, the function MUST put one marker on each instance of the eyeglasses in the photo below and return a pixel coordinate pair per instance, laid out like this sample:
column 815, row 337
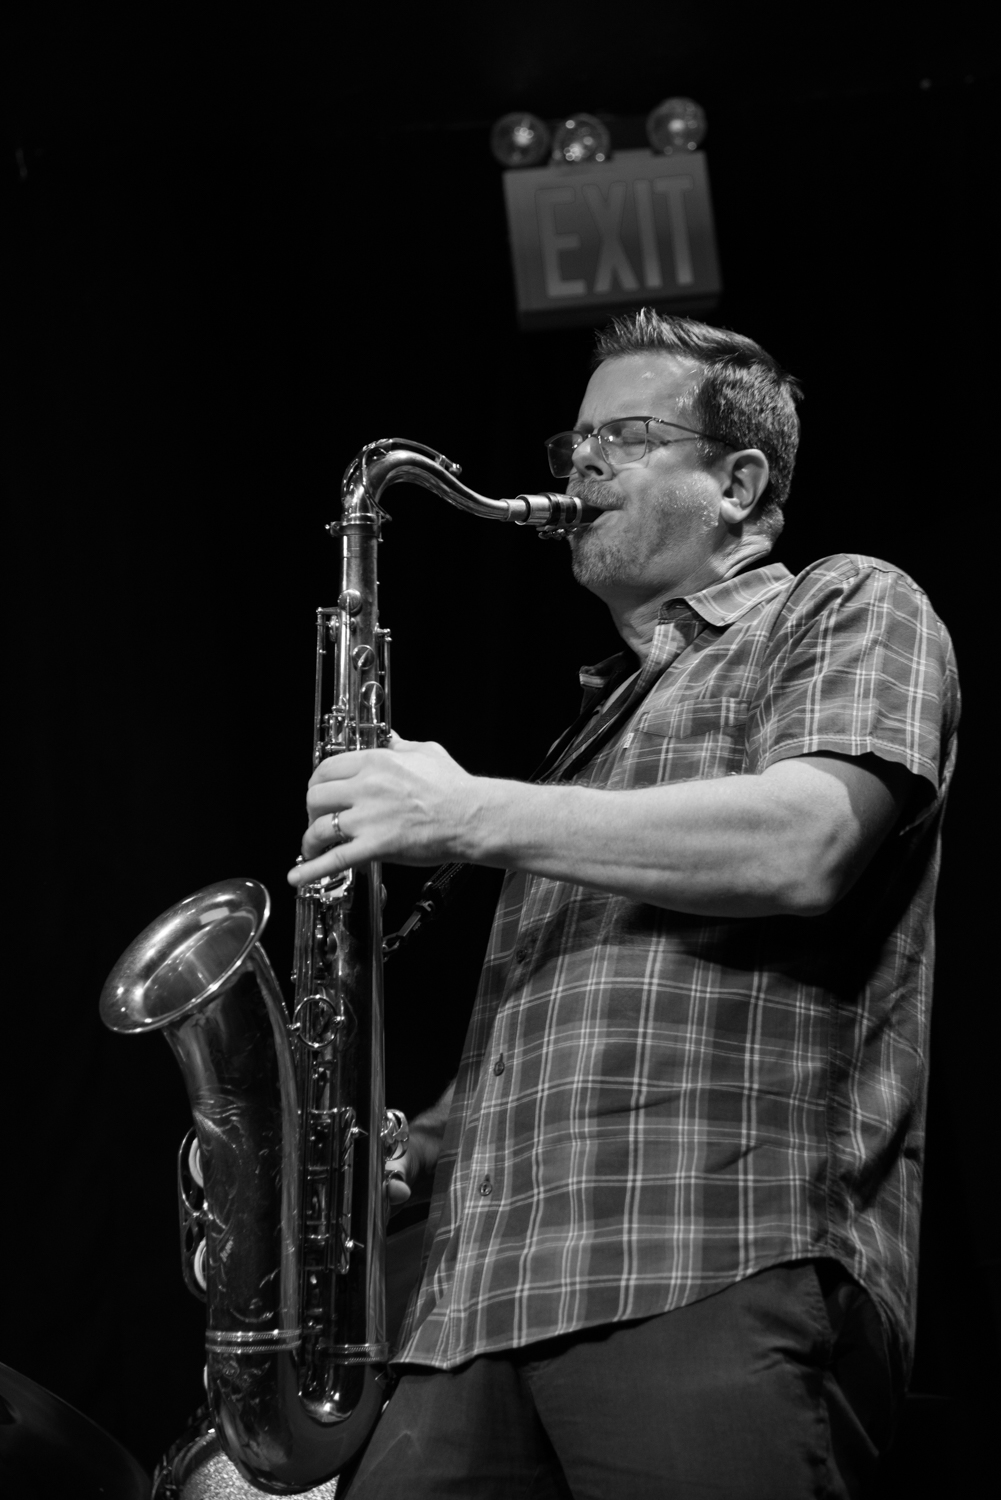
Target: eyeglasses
column 623, row 441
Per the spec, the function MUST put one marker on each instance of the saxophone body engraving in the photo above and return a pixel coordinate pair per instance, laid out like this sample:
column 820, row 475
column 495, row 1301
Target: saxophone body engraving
column 281, row 1182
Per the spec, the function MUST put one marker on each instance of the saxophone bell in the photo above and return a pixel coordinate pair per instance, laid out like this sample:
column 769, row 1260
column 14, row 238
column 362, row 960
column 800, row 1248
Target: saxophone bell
column 200, row 975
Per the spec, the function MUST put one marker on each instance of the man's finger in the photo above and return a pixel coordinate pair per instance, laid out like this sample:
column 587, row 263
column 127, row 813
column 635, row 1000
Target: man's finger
column 338, row 767
column 333, row 861
column 397, row 1191
column 323, row 802
column 325, row 831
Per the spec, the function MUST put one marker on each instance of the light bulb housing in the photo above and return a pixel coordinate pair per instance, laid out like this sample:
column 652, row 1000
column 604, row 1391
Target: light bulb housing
column 520, row 139
column 581, row 138
column 676, row 125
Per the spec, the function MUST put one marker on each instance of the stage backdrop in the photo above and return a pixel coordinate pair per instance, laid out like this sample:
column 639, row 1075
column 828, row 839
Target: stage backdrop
column 215, row 306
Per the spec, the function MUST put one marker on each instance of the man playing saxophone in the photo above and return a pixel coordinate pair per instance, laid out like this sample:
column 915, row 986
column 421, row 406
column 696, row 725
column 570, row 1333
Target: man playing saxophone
column 672, row 1244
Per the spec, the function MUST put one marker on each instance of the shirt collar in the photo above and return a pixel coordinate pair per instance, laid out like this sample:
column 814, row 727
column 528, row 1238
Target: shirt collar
column 719, row 604
column 722, row 603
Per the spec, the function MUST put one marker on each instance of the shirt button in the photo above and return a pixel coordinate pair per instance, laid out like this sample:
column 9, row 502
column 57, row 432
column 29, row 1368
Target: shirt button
column 499, row 1065
column 486, row 1188
column 521, row 954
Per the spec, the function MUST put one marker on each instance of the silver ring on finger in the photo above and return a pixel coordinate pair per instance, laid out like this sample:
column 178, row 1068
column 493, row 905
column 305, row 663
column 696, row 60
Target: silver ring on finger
column 340, row 837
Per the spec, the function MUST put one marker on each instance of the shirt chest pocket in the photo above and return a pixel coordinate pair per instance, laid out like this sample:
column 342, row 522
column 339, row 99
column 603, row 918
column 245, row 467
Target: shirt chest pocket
column 693, row 740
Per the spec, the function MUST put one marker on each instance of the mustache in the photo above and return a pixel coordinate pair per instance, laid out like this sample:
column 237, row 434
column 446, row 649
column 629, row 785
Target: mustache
column 590, row 491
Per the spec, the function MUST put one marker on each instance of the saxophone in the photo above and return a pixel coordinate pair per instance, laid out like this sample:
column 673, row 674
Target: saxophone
column 281, row 1179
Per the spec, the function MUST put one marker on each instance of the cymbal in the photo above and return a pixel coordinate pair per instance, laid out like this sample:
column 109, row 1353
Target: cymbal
column 50, row 1451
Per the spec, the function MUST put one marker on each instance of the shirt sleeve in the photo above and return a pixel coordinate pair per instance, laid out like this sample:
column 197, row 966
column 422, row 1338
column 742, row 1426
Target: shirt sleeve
column 860, row 665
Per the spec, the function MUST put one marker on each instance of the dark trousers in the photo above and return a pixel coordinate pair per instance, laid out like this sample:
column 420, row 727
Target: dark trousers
column 777, row 1388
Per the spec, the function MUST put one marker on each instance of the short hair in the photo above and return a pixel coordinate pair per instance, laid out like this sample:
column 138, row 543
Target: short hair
column 743, row 397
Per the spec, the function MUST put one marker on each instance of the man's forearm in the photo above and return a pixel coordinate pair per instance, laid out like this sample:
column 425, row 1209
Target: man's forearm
column 788, row 842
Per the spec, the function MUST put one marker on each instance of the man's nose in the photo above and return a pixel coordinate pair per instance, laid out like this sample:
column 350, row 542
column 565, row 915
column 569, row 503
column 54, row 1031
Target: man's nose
column 588, row 459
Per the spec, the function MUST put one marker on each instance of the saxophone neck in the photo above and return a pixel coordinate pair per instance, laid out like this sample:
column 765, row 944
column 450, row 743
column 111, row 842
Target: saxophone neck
column 393, row 460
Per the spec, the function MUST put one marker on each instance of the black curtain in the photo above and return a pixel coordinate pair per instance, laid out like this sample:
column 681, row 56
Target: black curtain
column 229, row 276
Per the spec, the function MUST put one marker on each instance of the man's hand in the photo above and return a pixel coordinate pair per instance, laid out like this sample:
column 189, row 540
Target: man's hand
column 414, row 1169
column 411, row 803
column 400, row 1172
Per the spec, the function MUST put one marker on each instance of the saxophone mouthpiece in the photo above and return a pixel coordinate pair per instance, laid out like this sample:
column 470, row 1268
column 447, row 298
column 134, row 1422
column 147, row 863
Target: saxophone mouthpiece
column 546, row 511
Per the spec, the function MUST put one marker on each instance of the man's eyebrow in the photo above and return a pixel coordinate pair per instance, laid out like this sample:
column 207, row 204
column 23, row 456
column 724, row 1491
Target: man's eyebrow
column 586, row 428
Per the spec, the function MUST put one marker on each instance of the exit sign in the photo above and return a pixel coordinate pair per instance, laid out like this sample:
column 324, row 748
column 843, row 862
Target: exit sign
column 589, row 240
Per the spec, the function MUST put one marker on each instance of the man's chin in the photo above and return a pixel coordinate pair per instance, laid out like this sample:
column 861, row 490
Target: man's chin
column 593, row 561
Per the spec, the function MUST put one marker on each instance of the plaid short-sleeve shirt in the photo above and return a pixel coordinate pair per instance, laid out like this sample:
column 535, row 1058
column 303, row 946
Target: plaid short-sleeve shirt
column 652, row 1105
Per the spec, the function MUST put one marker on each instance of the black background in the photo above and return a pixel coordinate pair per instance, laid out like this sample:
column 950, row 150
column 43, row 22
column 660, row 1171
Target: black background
column 246, row 244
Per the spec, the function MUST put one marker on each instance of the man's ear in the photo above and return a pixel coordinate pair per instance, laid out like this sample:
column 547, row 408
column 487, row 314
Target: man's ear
column 745, row 480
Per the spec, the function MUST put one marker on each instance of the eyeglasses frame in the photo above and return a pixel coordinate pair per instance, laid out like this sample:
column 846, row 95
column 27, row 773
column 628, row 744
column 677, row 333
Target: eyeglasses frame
column 597, row 431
